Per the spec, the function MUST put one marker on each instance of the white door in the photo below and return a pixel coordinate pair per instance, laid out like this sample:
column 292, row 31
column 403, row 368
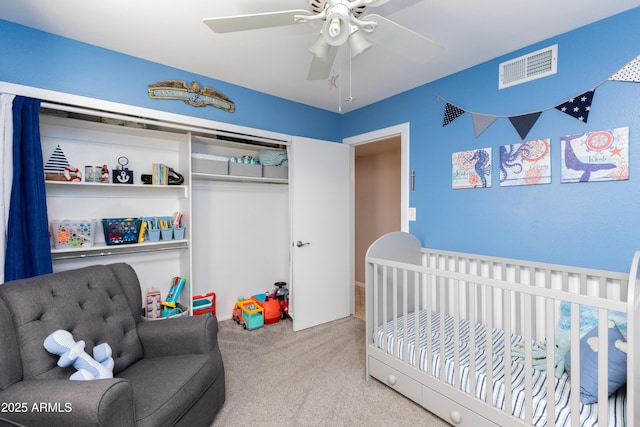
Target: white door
column 321, row 232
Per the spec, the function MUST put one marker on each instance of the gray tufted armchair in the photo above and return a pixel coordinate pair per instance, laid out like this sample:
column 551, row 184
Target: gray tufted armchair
column 167, row 372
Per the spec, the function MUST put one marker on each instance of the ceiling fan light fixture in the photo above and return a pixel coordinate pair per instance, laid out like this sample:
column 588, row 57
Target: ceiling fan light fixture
column 358, row 43
column 321, row 49
column 337, row 26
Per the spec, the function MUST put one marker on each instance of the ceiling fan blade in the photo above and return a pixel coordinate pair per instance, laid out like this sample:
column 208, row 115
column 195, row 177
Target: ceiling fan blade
column 375, row 3
column 320, row 69
column 228, row 24
column 401, row 39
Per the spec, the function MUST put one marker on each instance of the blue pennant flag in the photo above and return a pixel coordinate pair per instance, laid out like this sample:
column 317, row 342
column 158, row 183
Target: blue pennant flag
column 579, row 106
column 524, row 123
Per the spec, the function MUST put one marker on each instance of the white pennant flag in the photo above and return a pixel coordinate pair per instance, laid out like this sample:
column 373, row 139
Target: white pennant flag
column 628, row 73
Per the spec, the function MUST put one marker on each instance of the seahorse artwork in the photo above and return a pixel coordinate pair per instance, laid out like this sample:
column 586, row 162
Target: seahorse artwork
column 471, row 169
column 482, row 165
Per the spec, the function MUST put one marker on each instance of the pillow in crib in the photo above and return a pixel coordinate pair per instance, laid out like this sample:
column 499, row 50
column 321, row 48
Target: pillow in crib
column 589, row 318
column 617, row 347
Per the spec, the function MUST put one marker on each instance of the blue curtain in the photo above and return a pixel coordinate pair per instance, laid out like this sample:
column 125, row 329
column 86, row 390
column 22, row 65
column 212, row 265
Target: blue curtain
column 28, row 250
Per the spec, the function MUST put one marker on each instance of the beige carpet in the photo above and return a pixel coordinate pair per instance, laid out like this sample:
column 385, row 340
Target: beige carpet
column 315, row 377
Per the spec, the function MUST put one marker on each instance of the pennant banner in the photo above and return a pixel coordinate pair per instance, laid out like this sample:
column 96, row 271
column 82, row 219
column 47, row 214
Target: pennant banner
column 579, row 106
column 451, row 112
column 481, row 122
column 629, row 73
column 524, row 123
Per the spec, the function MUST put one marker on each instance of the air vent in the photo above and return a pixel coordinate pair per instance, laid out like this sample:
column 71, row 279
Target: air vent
column 535, row 65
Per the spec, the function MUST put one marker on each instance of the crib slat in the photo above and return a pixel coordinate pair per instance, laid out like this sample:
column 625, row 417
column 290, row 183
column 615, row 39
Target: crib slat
column 575, row 365
column 429, row 289
column 416, row 318
column 441, row 291
column 384, row 306
column 528, row 360
column 457, row 372
column 405, row 318
column 394, row 287
column 551, row 357
column 508, row 382
column 489, row 343
column 472, row 338
column 603, row 364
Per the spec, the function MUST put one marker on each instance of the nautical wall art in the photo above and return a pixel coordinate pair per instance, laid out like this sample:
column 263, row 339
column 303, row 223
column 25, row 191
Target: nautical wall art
column 526, row 163
column 595, row 156
column 191, row 94
column 471, row 169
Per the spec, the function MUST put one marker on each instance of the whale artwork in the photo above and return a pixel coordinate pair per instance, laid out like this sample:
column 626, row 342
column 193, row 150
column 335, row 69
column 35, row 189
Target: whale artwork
column 595, row 156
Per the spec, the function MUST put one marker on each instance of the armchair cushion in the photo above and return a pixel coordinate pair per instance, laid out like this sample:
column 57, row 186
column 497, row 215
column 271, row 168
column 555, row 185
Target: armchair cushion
column 183, row 335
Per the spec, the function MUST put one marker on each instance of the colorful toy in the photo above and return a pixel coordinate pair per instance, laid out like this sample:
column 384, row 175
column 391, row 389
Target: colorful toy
column 282, row 294
column 170, row 309
column 248, row 313
column 204, row 304
column 154, row 304
column 539, row 352
column 271, row 306
column 61, row 342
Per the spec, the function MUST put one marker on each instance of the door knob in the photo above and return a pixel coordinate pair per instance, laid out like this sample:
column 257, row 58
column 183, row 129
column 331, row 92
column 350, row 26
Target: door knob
column 301, row 244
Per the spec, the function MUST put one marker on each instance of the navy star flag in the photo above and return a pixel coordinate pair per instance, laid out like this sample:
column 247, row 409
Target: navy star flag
column 579, row 106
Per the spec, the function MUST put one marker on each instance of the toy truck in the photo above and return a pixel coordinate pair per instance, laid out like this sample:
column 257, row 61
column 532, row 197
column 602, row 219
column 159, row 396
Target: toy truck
column 248, row 313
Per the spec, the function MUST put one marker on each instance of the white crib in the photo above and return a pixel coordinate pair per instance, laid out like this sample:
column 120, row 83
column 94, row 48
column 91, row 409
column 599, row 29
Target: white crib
column 479, row 308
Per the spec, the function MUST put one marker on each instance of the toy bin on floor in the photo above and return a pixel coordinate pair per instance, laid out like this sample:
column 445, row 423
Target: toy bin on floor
column 204, row 304
column 248, row 313
column 271, row 308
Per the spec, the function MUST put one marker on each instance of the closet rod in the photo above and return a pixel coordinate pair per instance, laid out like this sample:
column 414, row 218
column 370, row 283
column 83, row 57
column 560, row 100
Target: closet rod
column 173, row 125
column 63, row 256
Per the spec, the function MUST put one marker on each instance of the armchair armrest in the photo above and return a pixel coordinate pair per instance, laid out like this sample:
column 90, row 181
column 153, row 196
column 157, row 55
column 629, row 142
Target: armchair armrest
column 178, row 336
column 107, row 402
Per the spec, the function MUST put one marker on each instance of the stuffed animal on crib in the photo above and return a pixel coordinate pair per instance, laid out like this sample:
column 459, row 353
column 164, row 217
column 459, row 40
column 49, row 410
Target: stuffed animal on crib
column 539, row 352
column 61, row 342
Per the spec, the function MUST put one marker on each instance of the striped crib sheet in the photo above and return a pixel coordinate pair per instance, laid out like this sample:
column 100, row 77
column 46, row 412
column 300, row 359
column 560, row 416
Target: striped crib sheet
column 432, row 359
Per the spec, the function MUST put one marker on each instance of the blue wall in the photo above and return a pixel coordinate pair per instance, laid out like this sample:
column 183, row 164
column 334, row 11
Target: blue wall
column 587, row 224
column 583, row 224
column 35, row 58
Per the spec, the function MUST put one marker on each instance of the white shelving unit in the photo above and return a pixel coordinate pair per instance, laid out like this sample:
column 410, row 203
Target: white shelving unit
column 95, row 143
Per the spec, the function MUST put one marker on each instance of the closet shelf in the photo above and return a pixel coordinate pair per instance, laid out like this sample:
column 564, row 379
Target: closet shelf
column 257, row 179
column 104, row 250
column 120, row 189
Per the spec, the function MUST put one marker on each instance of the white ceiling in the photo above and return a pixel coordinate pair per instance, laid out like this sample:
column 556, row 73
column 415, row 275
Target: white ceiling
column 276, row 60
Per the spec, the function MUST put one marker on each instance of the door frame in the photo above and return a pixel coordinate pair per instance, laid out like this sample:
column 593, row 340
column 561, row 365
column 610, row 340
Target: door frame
column 401, row 130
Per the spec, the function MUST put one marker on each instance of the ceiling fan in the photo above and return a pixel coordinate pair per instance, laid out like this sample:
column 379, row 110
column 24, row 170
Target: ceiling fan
column 342, row 23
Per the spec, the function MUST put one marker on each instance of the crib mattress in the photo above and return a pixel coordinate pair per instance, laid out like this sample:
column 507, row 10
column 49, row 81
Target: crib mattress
column 588, row 413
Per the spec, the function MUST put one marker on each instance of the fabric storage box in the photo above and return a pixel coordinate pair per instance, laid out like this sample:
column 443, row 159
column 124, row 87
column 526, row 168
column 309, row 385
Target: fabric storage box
column 76, row 233
column 244, row 169
column 209, row 163
column 275, row 172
